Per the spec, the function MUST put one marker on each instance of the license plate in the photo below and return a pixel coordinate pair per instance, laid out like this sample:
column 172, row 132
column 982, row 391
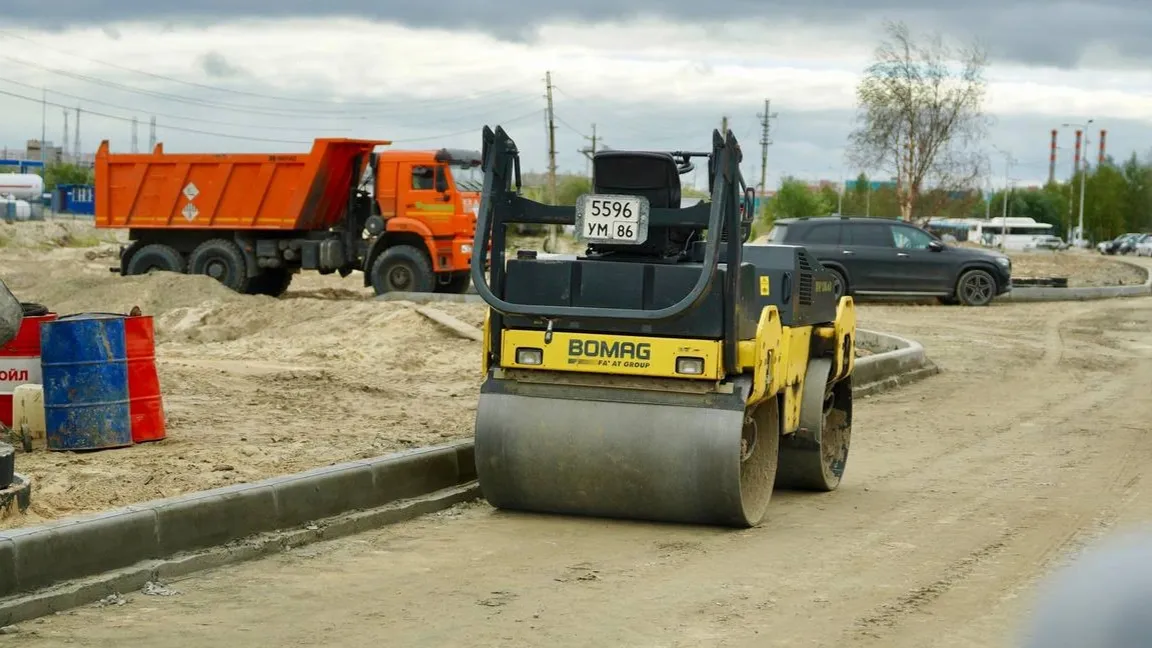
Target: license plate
column 606, row 218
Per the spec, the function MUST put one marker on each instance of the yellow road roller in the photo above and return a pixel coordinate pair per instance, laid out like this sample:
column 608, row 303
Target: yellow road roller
column 672, row 372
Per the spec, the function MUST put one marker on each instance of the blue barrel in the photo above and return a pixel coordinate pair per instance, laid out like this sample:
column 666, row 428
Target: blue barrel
column 85, row 373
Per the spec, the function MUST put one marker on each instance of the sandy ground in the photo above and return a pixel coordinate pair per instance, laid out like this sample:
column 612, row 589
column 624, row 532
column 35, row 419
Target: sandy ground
column 1080, row 267
column 960, row 491
column 253, row 386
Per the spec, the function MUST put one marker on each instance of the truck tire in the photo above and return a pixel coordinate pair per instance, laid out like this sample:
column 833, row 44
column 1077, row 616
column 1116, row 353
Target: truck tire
column 272, row 282
column 155, row 256
column 402, row 268
column 223, row 261
column 457, row 285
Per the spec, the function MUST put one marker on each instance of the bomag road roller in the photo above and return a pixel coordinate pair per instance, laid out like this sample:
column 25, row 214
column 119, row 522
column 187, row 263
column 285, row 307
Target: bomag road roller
column 672, row 372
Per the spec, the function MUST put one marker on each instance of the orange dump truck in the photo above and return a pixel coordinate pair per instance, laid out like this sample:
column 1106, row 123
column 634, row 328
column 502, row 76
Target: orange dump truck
column 254, row 220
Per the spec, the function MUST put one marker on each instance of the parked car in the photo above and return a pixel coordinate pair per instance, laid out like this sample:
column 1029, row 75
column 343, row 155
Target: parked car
column 1122, row 244
column 877, row 256
column 1144, row 247
column 1046, row 242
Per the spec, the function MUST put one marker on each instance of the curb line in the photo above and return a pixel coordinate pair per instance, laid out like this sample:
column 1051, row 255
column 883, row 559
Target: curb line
column 76, row 561
column 1082, row 293
column 902, row 361
column 33, row 558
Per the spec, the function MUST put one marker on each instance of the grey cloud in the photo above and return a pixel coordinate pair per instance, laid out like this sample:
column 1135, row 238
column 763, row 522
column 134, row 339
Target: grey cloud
column 217, row 66
column 1025, row 31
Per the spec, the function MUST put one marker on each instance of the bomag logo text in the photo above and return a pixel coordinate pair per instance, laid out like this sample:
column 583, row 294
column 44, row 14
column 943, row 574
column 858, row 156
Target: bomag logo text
column 609, row 354
column 823, row 286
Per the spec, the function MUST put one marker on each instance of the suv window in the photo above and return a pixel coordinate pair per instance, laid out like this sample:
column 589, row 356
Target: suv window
column 869, row 234
column 910, row 238
column 828, row 234
column 777, row 233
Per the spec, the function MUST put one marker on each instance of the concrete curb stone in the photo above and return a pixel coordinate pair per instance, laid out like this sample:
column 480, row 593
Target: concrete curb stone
column 1081, row 293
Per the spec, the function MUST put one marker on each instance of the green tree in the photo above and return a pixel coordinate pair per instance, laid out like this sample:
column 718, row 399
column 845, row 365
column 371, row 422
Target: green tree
column 60, row 173
column 794, row 199
column 1138, row 194
column 1105, row 203
column 830, row 196
column 570, row 188
column 916, row 116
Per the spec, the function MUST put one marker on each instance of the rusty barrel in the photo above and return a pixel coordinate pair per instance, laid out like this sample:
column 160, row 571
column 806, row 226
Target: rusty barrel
column 20, row 358
column 85, row 367
column 145, row 402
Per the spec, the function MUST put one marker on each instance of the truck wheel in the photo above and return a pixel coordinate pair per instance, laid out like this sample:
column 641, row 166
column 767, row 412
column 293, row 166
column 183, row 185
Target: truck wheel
column 402, row 268
column 457, row 285
column 155, row 256
column 272, row 282
column 975, row 288
column 223, row 261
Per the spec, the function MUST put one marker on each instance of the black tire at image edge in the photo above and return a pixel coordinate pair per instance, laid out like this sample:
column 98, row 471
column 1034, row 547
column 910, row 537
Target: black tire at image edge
column 7, row 465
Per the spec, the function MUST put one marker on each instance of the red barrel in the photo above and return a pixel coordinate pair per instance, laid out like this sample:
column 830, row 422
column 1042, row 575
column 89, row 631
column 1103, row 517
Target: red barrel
column 20, row 362
column 144, row 401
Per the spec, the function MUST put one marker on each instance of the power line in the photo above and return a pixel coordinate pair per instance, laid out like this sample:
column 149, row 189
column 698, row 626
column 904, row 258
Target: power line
column 216, row 122
column 569, row 126
column 254, row 139
column 175, row 128
column 168, row 116
column 283, row 112
column 221, row 88
column 513, row 120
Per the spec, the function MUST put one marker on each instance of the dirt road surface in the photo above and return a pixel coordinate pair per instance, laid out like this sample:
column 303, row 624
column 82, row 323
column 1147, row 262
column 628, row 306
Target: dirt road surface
column 961, row 490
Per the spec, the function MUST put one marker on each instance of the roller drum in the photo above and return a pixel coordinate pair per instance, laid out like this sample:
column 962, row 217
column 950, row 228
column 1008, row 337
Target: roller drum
column 635, row 460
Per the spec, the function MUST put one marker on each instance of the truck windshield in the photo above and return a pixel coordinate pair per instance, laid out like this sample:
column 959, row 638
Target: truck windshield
column 467, row 178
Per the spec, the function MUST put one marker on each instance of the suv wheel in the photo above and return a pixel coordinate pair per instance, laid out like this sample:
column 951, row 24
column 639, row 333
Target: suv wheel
column 839, row 284
column 975, row 288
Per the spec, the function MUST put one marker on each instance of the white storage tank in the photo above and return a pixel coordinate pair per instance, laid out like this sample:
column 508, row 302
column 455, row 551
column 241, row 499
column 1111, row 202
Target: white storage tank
column 15, row 209
column 25, row 186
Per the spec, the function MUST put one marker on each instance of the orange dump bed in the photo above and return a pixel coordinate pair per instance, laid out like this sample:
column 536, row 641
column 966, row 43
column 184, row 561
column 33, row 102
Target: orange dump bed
column 257, row 191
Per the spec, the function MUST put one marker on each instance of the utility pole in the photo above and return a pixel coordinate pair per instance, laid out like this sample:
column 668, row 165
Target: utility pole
column 551, row 158
column 590, row 151
column 724, row 127
column 1007, row 193
column 77, row 142
column 152, row 134
column 43, row 128
column 766, row 118
column 64, row 150
column 1083, row 173
column 135, row 140
column 1007, row 180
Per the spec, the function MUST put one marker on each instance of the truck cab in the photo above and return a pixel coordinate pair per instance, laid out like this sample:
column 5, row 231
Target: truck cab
column 427, row 201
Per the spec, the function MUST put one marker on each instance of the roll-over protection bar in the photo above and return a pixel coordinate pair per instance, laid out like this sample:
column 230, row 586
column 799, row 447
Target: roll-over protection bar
column 500, row 204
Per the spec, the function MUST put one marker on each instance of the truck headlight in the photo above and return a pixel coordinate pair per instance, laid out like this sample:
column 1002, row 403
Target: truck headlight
column 529, row 356
column 466, row 249
column 690, row 366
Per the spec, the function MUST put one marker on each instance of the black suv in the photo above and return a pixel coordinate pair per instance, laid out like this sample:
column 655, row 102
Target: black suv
column 879, row 256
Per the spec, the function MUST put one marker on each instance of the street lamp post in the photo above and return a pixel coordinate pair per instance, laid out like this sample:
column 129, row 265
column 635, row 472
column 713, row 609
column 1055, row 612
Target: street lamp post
column 1083, row 174
column 1007, row 170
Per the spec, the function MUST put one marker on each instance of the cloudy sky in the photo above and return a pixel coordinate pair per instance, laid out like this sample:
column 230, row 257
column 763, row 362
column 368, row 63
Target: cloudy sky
column 270, row 76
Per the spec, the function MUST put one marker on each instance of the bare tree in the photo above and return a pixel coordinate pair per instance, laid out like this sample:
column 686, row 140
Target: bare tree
column 920, row 108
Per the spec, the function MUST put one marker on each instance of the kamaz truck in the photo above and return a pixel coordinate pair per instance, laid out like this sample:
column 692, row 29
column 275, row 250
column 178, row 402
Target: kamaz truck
column 253, row 220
